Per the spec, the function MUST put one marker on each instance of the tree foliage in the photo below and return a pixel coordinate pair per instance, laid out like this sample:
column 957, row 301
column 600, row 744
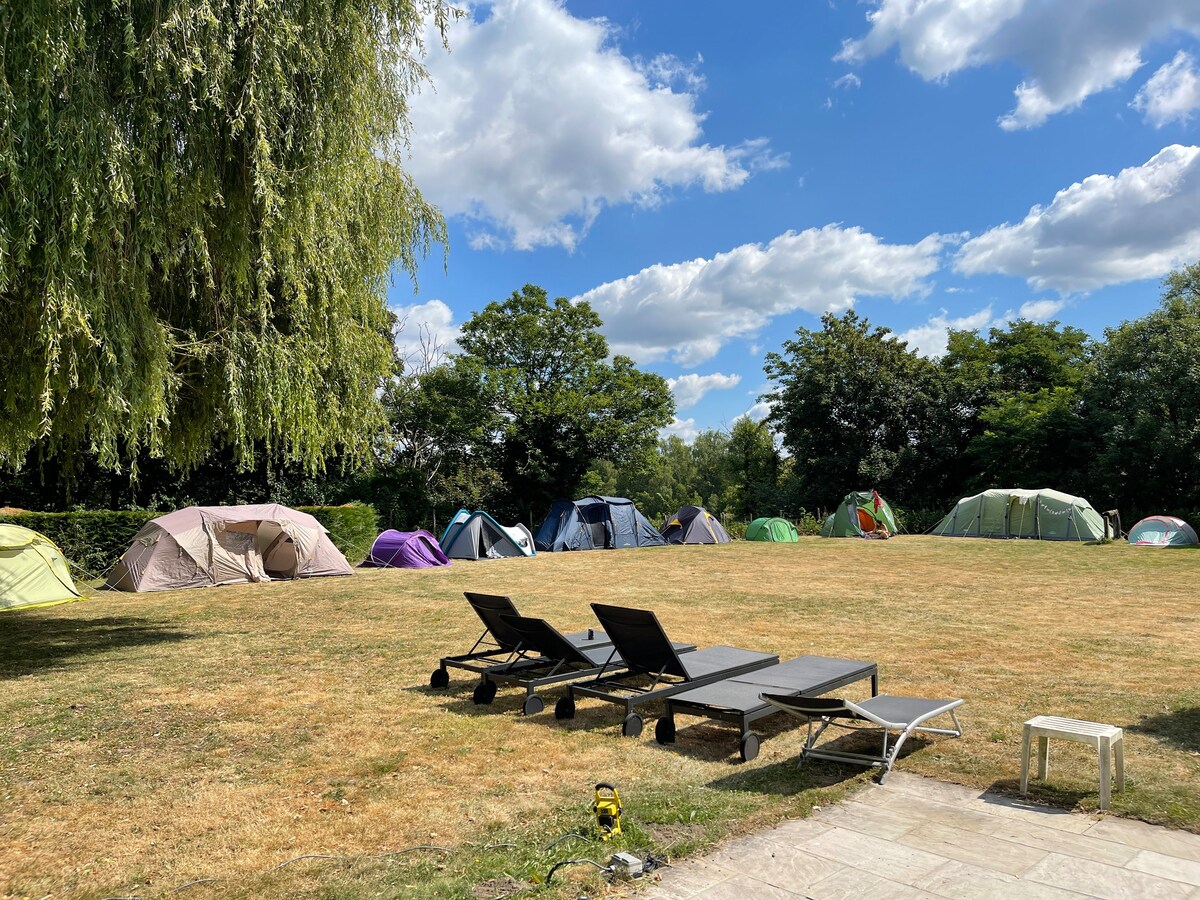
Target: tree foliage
column 561, row 402
column 200, row 206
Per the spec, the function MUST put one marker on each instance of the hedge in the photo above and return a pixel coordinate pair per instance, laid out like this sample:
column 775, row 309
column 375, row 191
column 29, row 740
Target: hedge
column 93, row 540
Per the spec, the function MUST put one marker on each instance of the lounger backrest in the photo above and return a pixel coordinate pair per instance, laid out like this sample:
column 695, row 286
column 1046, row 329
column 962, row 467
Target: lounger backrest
column 489, row 608
column 640, row 639
column 812, row 707
column 544, row 638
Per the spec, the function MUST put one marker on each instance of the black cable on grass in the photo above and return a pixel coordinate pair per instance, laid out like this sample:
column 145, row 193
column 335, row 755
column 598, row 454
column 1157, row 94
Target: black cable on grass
column 573, row 862
column 569, row 834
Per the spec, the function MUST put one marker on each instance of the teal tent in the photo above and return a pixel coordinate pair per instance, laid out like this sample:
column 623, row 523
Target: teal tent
column 1162, row 531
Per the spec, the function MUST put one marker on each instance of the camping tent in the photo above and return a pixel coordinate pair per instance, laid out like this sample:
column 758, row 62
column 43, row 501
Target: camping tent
column 32, row 571
column 405, row 550
column 203, row 546
column 1015, row 513
column 1162, row 531
column 478, row 536
column 781, row 531
column 859, row 514
column 596, row 523
column 694, row 525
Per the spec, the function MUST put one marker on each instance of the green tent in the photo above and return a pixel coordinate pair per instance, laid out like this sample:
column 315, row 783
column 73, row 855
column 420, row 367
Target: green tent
column 32, row 571
column 860, row 513
column 781, row 531
column 1015, row 513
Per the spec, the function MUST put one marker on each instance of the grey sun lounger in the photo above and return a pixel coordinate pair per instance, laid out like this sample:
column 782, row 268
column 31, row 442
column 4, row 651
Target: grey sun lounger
column 905, row 715
column 647, row 654
column 739, row 699
column 546, row 657
column 499, row 644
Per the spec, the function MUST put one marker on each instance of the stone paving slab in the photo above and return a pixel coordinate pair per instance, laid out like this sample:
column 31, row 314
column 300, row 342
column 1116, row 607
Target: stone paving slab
column 917, row 839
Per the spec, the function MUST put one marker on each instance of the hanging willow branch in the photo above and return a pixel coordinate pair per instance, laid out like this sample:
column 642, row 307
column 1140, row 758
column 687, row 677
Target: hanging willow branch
column 200, row 206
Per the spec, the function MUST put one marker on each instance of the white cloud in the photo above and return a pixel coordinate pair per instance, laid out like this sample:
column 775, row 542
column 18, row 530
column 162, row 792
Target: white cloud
column 684, row 429
column 536, row 122
column 1069, row 49
column 1107, row 229
column 689, row 389
column 425, row 331
column 930, row 339
column 689, row 310
column 1040, row 310
column 757, row 412
column 1171, row 93
column 848, row 81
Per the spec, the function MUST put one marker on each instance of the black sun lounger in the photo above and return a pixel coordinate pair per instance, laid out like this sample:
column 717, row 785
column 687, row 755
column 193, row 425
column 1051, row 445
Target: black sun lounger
column 885, row 712
column 499, row 643
column 547, row 657
column 647, row 653
column 739, row 699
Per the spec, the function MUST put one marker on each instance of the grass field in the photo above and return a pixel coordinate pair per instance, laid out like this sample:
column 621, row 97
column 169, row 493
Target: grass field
column 150, row 741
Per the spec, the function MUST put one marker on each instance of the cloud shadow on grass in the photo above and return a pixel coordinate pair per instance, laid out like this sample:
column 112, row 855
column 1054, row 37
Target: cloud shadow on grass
column 33, row 643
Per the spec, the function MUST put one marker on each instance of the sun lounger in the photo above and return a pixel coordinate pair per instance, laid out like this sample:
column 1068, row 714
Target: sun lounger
column 547, row 657
column 739, row 699
column 885, row 712
column 647, row 654
column 499, row 644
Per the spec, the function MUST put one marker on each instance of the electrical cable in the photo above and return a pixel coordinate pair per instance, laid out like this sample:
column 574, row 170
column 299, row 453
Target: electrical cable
column 573, row 862
column 569, row 834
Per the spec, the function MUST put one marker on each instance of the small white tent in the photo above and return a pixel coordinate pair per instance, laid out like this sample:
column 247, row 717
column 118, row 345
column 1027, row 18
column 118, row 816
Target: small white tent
column 478, row 536
column 203, row 546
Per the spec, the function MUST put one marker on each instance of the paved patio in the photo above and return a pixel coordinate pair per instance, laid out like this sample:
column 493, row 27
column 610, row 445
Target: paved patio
column 922, row 838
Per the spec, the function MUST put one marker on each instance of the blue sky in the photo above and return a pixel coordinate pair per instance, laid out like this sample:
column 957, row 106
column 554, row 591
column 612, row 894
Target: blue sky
column 710, row 182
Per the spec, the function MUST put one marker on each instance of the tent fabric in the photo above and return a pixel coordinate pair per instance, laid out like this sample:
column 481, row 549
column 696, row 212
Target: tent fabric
column 860, row 513
column 596, row 523
column 781, row 531
column 1162, row 531
column 204, row 546
column 405, row 550
column 1044, row 514
column 694, row 525
column 476, row 535
column 33, row 571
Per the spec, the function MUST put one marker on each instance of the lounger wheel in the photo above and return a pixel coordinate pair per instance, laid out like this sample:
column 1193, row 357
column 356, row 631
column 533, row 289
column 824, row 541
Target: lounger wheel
column 485, row 693
column 533, row 705
column 632, row 726
column 664, row 731
column 439, row 679
column 749, row 746
column 564, row 708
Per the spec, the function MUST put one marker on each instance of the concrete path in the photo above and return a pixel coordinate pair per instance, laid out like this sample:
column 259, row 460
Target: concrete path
column 922, row 838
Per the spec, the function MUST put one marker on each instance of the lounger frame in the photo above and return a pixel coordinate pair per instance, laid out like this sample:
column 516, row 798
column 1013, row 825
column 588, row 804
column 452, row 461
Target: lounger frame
column 646, row 652
column 823, row 674
column 830, row 712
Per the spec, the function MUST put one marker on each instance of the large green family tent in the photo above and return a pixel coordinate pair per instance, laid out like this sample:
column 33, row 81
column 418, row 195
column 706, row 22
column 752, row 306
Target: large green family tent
column 694, row 525
column 860, row 514
column 33, row 571
column 781, row 531
column 478, row 536
column 1044, row 514
column 596, row 523
column 1162, row 531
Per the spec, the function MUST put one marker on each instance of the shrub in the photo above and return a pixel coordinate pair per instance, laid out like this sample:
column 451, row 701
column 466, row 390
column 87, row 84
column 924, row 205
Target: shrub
column 352, row 528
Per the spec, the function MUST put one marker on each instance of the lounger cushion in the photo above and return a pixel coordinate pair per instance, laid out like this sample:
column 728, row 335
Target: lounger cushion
column 704, row 662
column 898, row 712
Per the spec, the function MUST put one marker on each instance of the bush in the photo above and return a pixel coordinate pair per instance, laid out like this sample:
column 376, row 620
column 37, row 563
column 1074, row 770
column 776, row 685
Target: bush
column 917, row 521
column 93, row 540
column 352, row 528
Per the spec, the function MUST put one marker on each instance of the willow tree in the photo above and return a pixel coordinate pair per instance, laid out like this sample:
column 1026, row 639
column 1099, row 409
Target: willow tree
column 201, row 204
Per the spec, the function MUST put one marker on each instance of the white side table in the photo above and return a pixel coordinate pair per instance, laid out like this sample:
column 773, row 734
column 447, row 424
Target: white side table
column 1107, row 739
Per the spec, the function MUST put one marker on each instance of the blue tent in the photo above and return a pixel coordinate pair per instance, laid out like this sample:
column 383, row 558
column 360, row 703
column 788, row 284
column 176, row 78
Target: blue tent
column 596, row 523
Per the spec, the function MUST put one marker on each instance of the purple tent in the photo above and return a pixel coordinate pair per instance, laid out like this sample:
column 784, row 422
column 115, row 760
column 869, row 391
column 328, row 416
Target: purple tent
column 405, row 550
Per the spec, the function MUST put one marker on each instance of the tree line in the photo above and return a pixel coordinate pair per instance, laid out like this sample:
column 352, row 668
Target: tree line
column 532, row 407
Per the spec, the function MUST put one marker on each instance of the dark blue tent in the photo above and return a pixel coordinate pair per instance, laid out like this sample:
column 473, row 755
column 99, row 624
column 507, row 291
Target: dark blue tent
column 596, row 523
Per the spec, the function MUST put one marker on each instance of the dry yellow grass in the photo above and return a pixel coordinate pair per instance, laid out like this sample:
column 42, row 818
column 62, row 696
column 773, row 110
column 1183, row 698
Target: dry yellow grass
column 152, row 740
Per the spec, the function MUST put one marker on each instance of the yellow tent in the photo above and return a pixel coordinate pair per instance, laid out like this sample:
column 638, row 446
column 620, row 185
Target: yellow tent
column 33, row 571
